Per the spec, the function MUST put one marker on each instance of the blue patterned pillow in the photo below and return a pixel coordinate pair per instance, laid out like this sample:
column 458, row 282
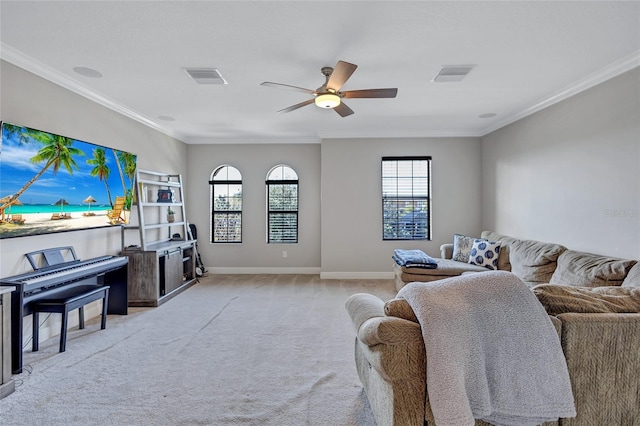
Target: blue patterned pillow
column 485, row 253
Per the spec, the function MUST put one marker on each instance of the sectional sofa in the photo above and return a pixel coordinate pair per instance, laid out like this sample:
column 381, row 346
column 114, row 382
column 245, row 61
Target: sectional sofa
column 534, row 262
column 601, row 349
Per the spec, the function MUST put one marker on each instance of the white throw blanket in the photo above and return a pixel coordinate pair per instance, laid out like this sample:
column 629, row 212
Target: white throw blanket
column 492, row 352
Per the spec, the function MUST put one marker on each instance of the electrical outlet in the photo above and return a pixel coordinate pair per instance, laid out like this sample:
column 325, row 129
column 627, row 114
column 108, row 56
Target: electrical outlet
column 284, row 253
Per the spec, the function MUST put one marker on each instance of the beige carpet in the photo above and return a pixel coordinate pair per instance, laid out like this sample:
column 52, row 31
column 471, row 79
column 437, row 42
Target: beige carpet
column 232, row 350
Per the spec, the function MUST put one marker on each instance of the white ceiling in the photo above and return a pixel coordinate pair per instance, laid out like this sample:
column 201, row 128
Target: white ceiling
column 528, row 54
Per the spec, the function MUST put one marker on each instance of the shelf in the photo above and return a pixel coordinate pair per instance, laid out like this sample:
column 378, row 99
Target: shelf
column 152, row 213
column 156, row 204
column 160, row 183
column 161, row 246
column 163, row 225
column 159, row 266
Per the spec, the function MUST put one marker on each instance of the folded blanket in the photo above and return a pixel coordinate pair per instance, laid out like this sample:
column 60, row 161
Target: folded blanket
column 414, row 259
column 558, row 299
column 492, row 351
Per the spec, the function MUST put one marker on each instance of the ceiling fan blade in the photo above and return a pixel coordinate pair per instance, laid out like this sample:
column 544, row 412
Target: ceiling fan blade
column 287, row 86
column 340, row 75
column 343, row 110
column 371, row 93
column 296, row 106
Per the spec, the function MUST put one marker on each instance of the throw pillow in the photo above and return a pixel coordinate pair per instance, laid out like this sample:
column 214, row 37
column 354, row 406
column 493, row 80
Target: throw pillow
column 461, row 247
column 485, row 253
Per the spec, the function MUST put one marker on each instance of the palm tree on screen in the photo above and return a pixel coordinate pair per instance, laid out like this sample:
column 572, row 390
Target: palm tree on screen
column 120, row 172
column 100, row 169
column 127, row 162
column 57, row 152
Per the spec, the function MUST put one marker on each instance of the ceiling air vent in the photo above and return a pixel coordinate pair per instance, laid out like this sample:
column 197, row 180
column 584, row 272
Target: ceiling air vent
column 206, row 75
column 450, row 73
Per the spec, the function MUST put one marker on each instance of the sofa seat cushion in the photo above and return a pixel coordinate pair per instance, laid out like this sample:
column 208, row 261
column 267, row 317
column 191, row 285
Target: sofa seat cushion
column 533, row 261
column 559, row 299
column 446, row 268
column 633, row 277
column 590, row 270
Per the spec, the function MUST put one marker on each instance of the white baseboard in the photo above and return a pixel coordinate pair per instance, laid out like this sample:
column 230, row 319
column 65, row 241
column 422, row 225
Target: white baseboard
column 307, row 271
column 261, row 270
column 356, row 275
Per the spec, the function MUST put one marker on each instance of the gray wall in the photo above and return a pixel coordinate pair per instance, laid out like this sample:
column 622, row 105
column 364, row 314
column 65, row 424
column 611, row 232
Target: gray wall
column 31, row 101
column 571, row 172
column 342, row 235
column 352, row 207
column 254, row 161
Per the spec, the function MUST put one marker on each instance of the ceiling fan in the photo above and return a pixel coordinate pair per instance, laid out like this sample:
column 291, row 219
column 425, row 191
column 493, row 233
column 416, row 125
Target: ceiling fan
column 329, row 95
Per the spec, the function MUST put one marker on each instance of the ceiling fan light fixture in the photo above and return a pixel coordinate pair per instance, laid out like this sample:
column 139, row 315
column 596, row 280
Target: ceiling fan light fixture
column 327, row 100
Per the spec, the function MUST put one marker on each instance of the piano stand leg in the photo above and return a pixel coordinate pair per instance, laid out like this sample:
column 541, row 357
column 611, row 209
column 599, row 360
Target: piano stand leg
column 36, row 329
column 63, row 330
column 81, row 317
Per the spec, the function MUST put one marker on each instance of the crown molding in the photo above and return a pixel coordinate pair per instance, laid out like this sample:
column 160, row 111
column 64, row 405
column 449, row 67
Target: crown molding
column 618, row 67
column 21, row 60
column 221, row 140
column 29, row 64
column 397, row 135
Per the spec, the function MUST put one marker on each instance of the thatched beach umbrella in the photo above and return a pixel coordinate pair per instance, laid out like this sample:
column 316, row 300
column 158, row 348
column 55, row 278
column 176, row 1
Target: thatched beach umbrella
column 61, row 202
column 89, row 200
column 3, row 201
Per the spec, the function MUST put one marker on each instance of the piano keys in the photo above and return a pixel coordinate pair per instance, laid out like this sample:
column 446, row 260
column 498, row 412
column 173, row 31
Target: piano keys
column 47, row 280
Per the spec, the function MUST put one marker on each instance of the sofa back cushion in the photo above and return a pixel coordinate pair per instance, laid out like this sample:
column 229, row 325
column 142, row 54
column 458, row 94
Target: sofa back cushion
column 559, row 299
column 633, row 277
column 590, row 270
column 534, row 262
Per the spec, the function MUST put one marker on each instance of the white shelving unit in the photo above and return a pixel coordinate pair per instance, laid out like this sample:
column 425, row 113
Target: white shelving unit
column 162, row 258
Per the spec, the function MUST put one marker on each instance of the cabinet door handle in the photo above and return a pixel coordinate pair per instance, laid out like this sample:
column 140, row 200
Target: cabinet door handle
column 169, row 254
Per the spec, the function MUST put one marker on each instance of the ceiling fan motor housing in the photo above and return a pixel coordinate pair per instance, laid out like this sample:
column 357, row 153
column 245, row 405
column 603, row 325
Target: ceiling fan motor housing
column 329, row 96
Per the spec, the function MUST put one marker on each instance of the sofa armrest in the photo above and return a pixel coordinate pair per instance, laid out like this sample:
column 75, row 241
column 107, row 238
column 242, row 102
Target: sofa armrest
column 374, row 327
column 392, row 346
column 604, row 365
column 390, row 331
column 446, row 251
column 362, row 307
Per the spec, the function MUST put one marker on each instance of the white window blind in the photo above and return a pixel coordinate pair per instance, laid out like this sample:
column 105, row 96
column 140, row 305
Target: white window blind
column 226, row 205
column 406, row 198
column 282, row 205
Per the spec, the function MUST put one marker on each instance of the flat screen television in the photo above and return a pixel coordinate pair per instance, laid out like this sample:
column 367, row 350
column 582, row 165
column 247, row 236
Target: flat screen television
column 53, row 183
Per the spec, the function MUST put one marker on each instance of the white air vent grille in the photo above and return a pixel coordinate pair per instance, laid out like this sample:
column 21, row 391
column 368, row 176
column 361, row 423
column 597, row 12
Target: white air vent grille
column 206, row 75
column 450, row 73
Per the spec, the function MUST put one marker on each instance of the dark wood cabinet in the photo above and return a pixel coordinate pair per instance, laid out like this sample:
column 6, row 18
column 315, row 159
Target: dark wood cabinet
column 156, row 276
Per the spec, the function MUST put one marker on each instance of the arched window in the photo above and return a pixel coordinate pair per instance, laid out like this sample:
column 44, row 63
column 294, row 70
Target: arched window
column 226, row 205
column 282, row 205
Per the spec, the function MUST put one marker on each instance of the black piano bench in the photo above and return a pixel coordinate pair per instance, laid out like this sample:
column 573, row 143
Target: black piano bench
column 68, row 300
